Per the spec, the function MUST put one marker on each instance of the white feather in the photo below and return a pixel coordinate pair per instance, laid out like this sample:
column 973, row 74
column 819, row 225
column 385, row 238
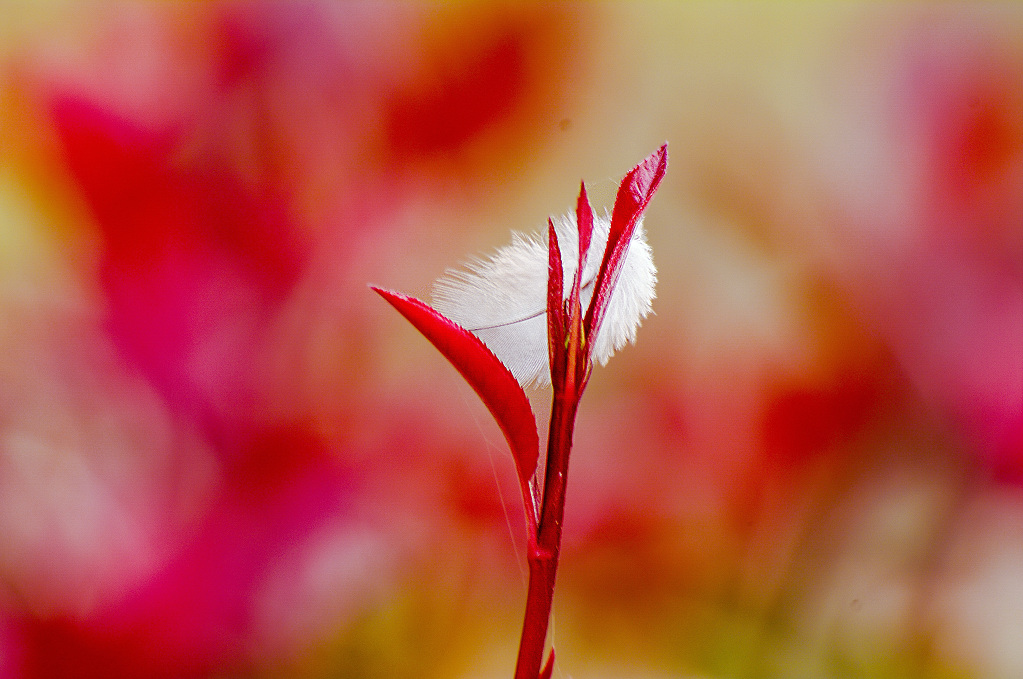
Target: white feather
column 503, row 299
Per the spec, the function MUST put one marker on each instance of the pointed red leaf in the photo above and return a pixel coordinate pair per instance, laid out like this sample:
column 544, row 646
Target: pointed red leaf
column 636, row 190
column 584, row 220
column 548, row 668
column 634, row 193
column 486, row 374
column 556, row 322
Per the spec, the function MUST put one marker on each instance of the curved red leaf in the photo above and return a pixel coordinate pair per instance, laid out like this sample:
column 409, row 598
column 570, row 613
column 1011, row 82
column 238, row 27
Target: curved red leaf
column 636, row 190
column 548, row 668
column 486, row 374
column 634, row 193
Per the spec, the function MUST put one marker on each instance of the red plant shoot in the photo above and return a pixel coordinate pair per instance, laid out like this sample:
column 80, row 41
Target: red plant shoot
column 571, row 333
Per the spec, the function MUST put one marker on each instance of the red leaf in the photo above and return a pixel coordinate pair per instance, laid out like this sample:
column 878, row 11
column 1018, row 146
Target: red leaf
column 636, row 190
column 634, row 193
column 584, row 220
column 548, row 669
column 486, row 374
column 556, row 321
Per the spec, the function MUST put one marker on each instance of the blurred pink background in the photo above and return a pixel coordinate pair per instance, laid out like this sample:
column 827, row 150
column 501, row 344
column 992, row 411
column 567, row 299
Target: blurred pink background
column 222, row 456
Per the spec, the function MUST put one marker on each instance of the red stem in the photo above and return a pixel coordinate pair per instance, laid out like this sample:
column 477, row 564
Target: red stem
column 544, row 551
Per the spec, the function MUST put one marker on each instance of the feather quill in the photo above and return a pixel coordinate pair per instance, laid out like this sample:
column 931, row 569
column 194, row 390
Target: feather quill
column 502, row 299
